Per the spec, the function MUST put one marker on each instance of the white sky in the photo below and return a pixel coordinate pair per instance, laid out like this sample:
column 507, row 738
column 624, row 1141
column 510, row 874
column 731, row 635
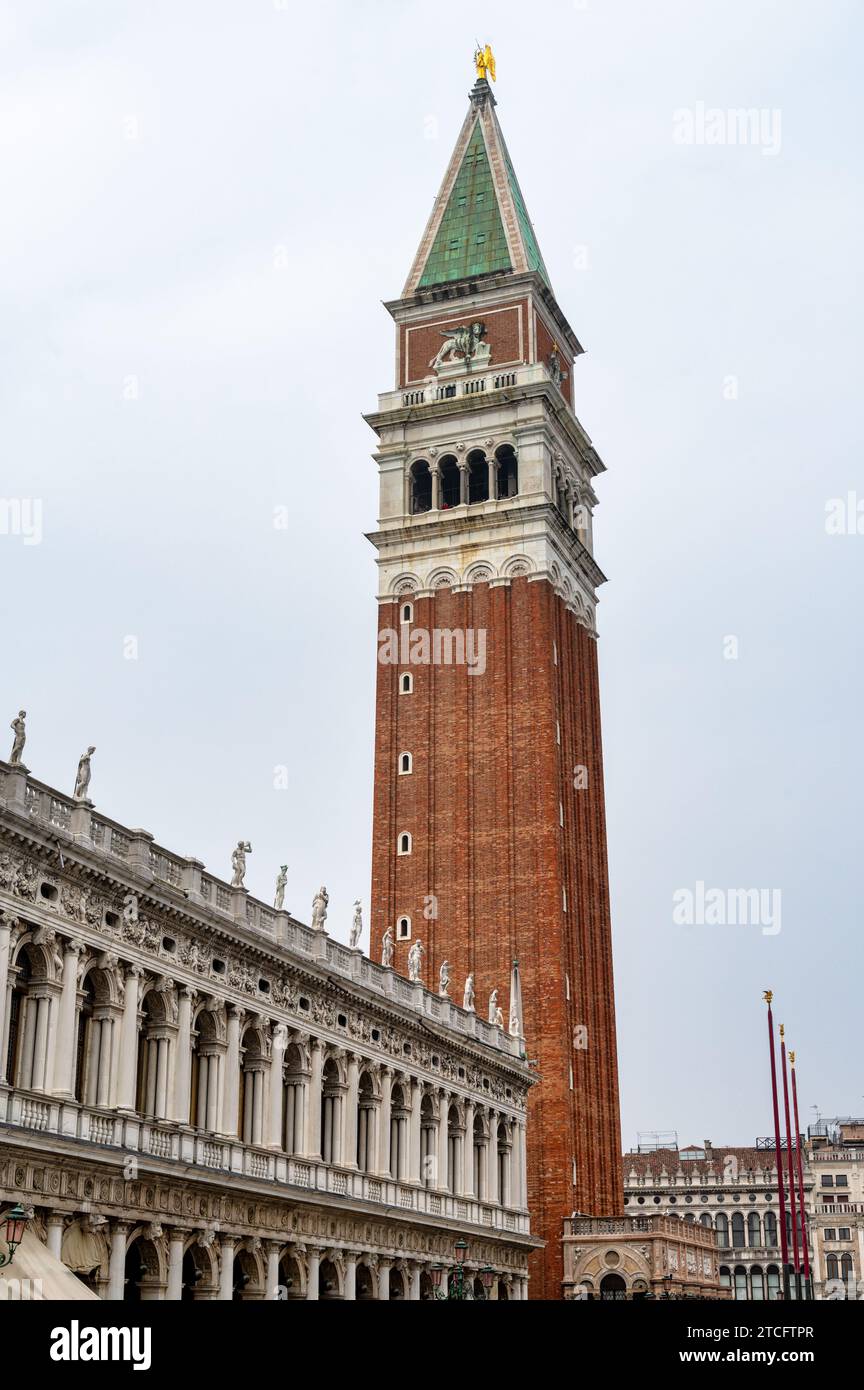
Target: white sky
column 213, row 199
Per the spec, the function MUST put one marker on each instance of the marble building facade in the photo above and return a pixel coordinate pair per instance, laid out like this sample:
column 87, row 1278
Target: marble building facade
column 202, row 1098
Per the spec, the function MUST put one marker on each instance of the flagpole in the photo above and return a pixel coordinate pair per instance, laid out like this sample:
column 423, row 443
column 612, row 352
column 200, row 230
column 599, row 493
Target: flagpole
column 784, row 1243
column 790, row 1163
column 808, row 1288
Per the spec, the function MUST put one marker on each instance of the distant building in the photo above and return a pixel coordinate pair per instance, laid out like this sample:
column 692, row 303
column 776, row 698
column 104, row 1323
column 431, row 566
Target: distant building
column 836, row 1152
column 730, row 1190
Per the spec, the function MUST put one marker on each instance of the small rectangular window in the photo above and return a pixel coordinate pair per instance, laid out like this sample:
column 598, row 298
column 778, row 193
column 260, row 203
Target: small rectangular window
column 827, row 1179
column 845, row 1233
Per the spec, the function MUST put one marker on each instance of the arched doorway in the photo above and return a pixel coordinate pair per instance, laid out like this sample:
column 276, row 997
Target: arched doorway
column 290, row 1278
column 328, row 1280
column 143, row 1272
column 612, row 1286
column 365, row 1287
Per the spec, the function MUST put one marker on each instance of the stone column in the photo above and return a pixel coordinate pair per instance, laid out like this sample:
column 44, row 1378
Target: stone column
column 436, row 486
column 414, row 1288
column 350, row 1277
column 492, row 1194
column 174, row 1291
column 117, row 1261
column 231, row 1101
column 272, row 1293
column 492, row 464
column 463, row 484
column 183, row 1069
column 414, row 1173
column 349, row 1128
column 468, row 1152
column 383, row 1167
column 313, row 1266
column 277, row 1086
column 129, row 1040
column 64, row 1057
column 312, row 1118
column 384, row 1267
column 6, row 924
column 226, row 1268
column 443, row 1114
column 522, row 1203
column 55, row 1234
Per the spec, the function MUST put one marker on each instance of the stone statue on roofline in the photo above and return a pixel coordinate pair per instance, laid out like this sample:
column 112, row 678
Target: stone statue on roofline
column 19, row 739
column 319, row 908
column 356, row 927
column 281, row 882
column 238, row 863
column 82, row 777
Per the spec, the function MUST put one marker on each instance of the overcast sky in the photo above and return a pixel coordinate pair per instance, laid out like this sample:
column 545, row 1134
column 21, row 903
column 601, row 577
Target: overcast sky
column 204, row 204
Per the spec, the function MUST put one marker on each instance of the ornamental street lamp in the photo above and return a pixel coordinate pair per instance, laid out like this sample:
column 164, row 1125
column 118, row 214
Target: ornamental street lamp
column 16, row 1220
column 457, row 1286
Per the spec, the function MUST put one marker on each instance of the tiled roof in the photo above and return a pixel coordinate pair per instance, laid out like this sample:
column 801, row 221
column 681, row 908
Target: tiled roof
column 652, row 1164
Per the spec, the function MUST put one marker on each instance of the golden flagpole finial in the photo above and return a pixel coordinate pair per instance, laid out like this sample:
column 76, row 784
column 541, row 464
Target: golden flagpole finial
column 768, row 996
column 782, row 1030
column 791, row 1059
column 484, row 60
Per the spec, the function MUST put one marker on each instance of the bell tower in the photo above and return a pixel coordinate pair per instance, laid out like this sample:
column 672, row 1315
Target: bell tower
column 489, row 840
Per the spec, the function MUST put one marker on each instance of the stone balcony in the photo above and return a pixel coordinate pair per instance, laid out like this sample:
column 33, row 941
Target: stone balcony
column 208, row 1156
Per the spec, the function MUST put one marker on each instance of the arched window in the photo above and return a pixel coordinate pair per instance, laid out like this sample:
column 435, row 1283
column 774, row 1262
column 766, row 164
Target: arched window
column 847, row 1274
column 757, row 1284
column 403, row 843
column 154, row 1043
column 454, row 1147
column 704, row 1219
column 405, row 763
column 448, row 470
column 421, row 487
column 504, row 1150
column 480, row 1164
column 406, row 614
column 478, row 476
column 725, row 1278
column 17, row 1008
column 508, row 471
column 831, row 1267
column 754, row 1229
column 398, row 1133
column 406, row 683
column 295, row 1094
column 770, row 1230
column 366, row 1127
column 85, row 1016
column 772, row 1283
column 740, row 1283
column 428, row 1143
column 208, row 1061
column 737, row 1230
column 253, row 1076
column 721, row 1223
column 331, row 1113
column 403, row 929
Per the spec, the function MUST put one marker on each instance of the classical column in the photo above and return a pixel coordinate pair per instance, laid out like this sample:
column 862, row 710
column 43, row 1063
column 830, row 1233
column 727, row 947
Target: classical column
column 312, row 1118
column 414, row 1287
column 41, row 1060
column 313, row 1265
column 117, row 1261
column 6, row 924
column 64, row 1057
column 384, row 1267
column 492, row 1193
column 468, row 1152
column 183, row 1069
column 414, row 1173
column 231, row 1105
column 443, row 1126
column 272, row 1293
column 277, row 1086
column 436, row 486
column 226, row 1268
column 174, row 1292
column 129, row 1040
column 463, row 484
column 492, row 464
column 55, row 1234
column 349, row 1128
column 350, row 1276
column 384, row 1123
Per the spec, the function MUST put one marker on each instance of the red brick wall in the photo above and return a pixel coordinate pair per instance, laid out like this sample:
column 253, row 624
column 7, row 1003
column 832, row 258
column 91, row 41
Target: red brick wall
column 482, row 806
column 506, row 332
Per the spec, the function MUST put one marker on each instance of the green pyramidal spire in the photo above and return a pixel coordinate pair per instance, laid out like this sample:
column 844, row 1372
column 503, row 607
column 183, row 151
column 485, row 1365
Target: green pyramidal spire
column 479, row 224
